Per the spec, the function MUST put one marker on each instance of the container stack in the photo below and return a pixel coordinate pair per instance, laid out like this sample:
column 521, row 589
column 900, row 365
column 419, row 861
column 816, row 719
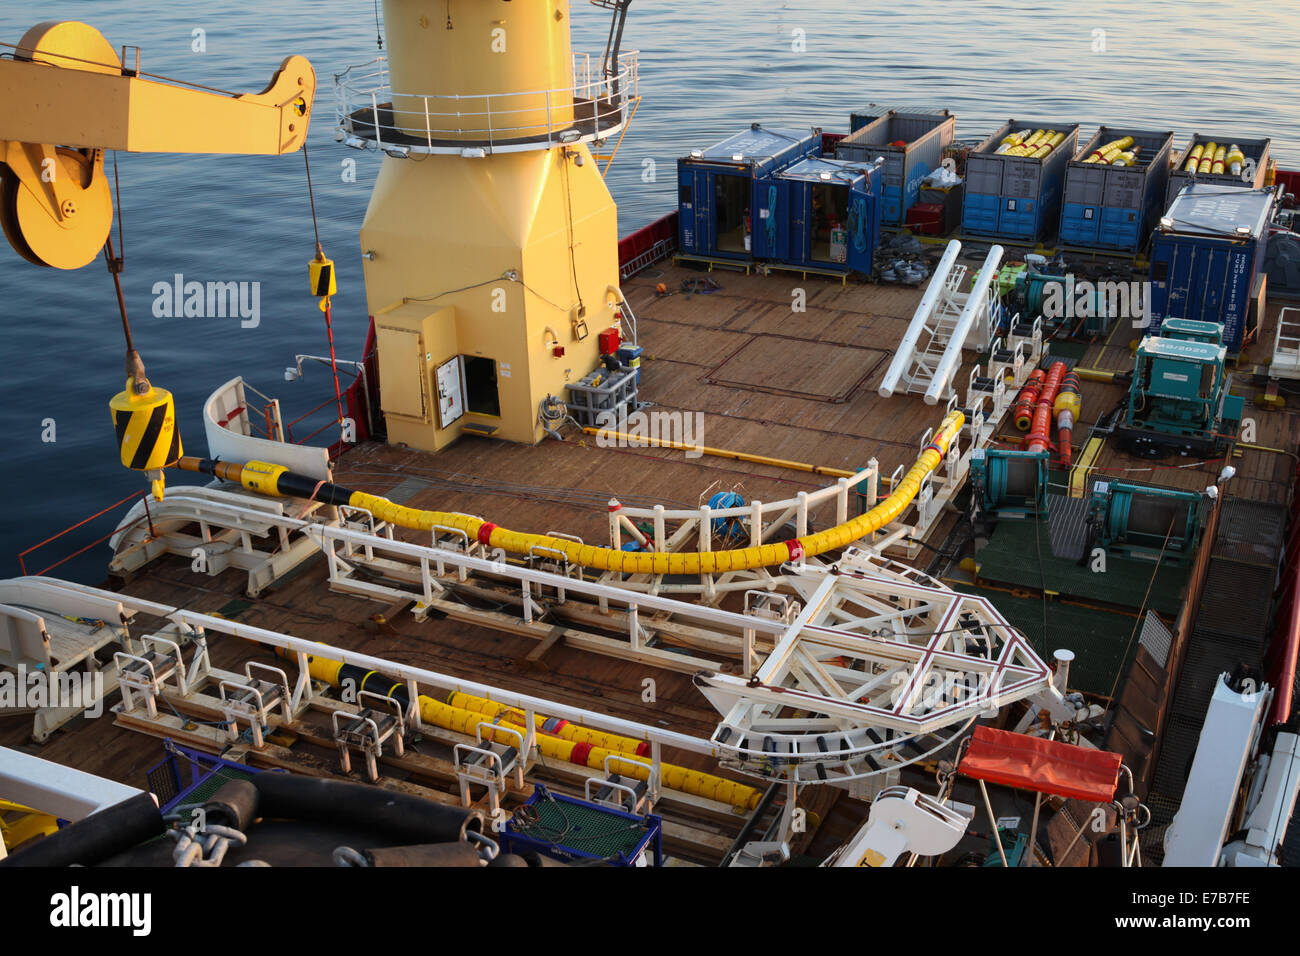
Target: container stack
column 1115, row 188
column 719, row 189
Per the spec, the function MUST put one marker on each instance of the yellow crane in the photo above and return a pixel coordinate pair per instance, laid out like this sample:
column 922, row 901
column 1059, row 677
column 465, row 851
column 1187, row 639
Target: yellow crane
column 66, row 97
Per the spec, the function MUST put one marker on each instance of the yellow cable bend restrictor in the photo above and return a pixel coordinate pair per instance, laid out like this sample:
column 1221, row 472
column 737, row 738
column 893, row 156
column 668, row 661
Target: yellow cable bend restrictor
column 659, row 562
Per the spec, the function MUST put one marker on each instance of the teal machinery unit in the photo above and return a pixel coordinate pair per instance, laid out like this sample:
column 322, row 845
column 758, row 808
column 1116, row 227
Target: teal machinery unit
column 1082, row 307
column 1135, row 520
column 1179, row 398
column 1192, row 330
column 1008, row 484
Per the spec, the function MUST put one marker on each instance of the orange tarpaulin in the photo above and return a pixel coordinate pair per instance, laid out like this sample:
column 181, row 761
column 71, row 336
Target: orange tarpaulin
column 1043, row 766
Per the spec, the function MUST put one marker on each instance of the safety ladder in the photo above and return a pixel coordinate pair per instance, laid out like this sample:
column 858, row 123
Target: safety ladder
column 1286, row 346
column 937, row 331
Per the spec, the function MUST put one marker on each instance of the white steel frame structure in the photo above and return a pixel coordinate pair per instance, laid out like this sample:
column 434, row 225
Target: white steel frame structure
column 884, row 666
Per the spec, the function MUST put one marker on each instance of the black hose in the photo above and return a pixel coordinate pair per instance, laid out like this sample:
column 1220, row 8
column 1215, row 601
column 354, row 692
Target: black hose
column 97, row 837
column 338, row 802
column 424, row 854
column 234, row 805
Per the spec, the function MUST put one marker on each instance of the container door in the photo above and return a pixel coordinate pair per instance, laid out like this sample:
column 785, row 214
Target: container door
column 1189, row 280
column 799, row 234
column 863, row 229
column 693, row 209
column 771, row 227
column 1080, row 224
column 1081, row 213
column 894, row 202
column 1018, row 218
column 983, row 194
column 731, row 218
column 1121, row 229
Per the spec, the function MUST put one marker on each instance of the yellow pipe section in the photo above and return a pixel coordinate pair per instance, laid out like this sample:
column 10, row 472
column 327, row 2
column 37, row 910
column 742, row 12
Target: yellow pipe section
column 584, row 753
column 690, row 563
column 1094, row 374
column 568, row 731
column 265, row 478
column 1275, row 451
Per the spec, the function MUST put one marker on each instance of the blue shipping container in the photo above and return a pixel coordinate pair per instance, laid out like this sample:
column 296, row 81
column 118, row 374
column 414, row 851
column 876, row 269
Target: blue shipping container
column 1016, row 197
column 718, row 188
column 924, row 135
column 1207, row 259
column 1114, row 207
column 821, row 213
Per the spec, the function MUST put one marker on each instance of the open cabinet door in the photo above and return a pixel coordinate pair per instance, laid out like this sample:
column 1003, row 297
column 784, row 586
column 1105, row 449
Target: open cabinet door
column 451, row 392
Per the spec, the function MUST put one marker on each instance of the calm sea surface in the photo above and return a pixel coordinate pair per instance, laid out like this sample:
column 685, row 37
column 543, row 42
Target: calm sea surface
column 707, row 70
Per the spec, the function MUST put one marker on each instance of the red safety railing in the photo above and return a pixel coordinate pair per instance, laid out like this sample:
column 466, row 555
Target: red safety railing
column 23, row 555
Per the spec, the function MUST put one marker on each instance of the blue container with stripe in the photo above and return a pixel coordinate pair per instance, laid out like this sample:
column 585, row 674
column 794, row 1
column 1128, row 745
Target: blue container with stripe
column 630, row 355
column 821, row 214
column 1207, row 258
column 922, row 137
column 1016, row 197
column 1115, row 207
column 719, row 188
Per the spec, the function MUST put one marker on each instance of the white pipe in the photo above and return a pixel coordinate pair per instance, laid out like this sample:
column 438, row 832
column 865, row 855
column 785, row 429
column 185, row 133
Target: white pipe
column 975, row 302
column 903, row 355
column 55, row 789
column 397, row 671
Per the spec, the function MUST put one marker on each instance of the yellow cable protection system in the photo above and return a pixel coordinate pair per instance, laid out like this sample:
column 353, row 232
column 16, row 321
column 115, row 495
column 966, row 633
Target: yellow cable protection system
column 278, row 481
column 556, row 739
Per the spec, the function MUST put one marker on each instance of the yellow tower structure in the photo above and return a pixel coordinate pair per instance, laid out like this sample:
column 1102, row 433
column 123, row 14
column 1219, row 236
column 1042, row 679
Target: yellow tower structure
column 491, row 241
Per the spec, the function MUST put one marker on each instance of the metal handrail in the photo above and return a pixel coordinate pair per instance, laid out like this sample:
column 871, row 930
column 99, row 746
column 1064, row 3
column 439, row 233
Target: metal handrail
column 368, row 87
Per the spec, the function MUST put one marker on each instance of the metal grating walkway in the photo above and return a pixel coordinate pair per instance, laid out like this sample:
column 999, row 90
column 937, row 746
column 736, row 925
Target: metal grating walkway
column 1068, row 518
column 1156, row 638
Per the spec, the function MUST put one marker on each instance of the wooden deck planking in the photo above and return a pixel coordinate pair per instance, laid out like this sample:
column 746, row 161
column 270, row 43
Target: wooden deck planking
column 747, row 323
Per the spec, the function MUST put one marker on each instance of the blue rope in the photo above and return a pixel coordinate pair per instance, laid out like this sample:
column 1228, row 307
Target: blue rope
column 858, row 224
column 771, row 218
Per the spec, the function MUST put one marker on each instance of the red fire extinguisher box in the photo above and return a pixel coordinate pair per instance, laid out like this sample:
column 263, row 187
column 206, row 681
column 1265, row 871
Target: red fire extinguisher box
column 609, row 341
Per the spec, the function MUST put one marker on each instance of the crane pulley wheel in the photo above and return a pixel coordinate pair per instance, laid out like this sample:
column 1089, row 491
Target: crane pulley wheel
column 35, row 232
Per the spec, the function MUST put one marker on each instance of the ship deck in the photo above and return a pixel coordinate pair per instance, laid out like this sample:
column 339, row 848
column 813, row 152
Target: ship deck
column 770, row 381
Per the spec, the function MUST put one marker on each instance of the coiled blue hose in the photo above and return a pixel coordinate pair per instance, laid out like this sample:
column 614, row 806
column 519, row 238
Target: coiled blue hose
column 727, row 527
